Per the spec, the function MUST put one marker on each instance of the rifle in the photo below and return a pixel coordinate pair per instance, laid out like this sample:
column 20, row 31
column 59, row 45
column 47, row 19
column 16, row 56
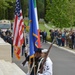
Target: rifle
column 44, row 60
column 27, row 59
column 23, row 63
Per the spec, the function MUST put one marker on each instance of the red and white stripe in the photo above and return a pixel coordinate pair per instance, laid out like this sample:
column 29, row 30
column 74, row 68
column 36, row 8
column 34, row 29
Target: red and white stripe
column 18, row 32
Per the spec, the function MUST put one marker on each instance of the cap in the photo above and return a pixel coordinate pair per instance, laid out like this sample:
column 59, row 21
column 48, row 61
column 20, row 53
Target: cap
column 39, row 50
column 44, row 50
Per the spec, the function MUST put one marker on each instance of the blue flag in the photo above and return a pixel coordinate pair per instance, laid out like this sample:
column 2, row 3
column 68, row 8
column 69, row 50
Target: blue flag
column 33, row 27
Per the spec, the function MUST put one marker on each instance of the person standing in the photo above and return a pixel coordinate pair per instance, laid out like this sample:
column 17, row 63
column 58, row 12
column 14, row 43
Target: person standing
column 41, row 35
column 72, row 38
column 63, row 37
column 48, row 65
column 51, row 35
column 44, row 36
column 34, row 62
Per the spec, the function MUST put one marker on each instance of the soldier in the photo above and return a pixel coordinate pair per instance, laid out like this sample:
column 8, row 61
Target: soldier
column 47, row 67
column 35, row 62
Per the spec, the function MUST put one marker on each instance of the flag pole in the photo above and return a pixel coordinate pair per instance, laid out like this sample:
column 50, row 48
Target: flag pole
column 34, row 65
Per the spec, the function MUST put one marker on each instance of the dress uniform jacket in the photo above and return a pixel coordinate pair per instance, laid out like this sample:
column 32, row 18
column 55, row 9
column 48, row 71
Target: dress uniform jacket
column 47, row 67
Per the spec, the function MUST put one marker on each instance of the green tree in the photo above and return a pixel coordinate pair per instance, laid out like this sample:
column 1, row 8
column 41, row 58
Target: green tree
column 56, row 12
column 4, row 6
column 7, row 8
column 71, row 12
column 40, row 8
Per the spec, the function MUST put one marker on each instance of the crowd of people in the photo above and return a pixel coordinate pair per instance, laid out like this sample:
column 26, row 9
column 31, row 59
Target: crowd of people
column 6, row 36
column 63, row 38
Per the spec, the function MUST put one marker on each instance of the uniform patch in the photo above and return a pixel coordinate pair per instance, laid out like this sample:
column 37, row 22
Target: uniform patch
column 47, row 67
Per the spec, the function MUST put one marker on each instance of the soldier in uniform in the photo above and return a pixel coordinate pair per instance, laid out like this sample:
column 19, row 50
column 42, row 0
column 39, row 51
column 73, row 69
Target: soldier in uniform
column 35, row 62
column 47, row 67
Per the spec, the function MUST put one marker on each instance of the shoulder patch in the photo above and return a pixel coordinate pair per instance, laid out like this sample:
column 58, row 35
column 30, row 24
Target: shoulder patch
column 47, row 67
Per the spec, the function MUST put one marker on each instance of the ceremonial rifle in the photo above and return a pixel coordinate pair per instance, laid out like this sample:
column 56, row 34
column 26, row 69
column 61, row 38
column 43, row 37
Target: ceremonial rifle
column 23, row 63
column 44, row 60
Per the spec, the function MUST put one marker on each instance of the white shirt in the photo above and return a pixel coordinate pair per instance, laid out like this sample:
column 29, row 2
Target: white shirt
column 47, row 67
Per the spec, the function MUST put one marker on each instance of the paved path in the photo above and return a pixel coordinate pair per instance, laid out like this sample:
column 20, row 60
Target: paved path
column 47, row 26
column 19, row 63
column 63, row 60
column 65, row 48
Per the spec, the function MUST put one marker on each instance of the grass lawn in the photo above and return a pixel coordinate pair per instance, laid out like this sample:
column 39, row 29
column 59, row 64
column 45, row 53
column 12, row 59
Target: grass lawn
column 42, row 27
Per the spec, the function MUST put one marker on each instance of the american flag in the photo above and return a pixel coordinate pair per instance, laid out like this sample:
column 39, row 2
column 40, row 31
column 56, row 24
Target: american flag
column 18, row 28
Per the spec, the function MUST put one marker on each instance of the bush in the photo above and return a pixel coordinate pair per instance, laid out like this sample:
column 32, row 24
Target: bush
column 48, row 39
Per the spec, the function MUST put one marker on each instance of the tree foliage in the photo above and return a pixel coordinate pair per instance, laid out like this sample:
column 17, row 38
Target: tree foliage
column 60, row 12
column 71, row 12
column 7, row 8
column 40, row 8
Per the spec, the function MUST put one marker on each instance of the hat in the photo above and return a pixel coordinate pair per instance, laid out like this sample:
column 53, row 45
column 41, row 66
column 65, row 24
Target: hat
column 44, row 50
column 39, row 50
